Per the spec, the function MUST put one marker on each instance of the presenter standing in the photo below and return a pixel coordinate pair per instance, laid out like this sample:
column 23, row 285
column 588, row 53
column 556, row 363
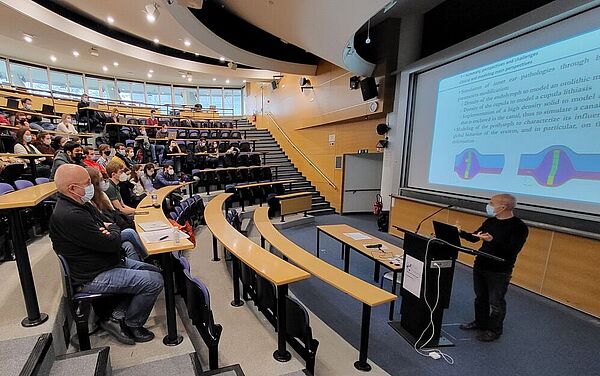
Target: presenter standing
column 503, row 235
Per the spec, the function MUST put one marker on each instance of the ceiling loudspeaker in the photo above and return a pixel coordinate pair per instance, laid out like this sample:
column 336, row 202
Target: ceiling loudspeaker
column 232, row 65
column 382, row 129
column 354, row 82
column 368, row 87
column 304, row 81
column 196, row 4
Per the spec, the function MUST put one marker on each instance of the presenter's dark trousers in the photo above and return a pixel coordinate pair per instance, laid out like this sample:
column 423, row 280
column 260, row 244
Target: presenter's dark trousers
column 490, row 306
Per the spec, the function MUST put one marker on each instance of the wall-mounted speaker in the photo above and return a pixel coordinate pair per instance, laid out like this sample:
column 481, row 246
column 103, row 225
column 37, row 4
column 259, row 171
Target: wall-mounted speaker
column 368, row 87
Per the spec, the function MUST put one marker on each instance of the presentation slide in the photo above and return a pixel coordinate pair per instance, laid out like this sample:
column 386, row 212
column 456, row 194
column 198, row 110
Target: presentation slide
column 527, row 124
column 520, row 116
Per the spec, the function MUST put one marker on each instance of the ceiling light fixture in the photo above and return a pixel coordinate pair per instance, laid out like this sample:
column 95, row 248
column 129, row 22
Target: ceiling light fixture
column 156, row 41
column 183, row 75
column 222, row 58
column 187, row 43
column 197, row 54
column 149, row 75
column 110, row 20
column 152, row 12
column 94, row 52
column 150, row 70
column 75, row 53
column 105, row 68
column 214, row 79
column 244, row 81
column 227, row 81
column 116, row 64
column 28, row 38
column 53, row 58
column 189, row 79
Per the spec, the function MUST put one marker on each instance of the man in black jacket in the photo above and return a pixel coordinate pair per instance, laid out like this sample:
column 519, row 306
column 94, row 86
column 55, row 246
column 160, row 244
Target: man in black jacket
column 92, row 248
column 503, row 235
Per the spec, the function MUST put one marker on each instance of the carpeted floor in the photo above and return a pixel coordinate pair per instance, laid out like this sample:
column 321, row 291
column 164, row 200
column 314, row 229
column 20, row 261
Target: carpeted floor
column 540, row 336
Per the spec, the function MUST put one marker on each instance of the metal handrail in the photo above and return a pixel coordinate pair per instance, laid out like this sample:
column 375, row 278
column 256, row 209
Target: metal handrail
column 270, row 115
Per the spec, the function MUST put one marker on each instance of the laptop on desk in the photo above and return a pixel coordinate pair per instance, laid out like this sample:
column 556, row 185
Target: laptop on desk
column 447, row 233
column 47, row 109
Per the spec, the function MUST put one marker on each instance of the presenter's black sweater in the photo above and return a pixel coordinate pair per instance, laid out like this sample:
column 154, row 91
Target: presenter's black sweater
column 509, row 236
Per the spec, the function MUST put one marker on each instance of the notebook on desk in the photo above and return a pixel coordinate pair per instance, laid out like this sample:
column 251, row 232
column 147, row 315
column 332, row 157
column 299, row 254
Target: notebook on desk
column 447, row 233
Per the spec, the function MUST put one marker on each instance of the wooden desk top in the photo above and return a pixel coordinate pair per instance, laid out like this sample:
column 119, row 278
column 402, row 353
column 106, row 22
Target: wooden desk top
column 177, row 154
column 27, row 197
column 292, row 195
column 266, row 264
column 351, row 285
column 233, row 168
column 26, row 155
column 5, row 126
column 26, row 112
column 156, row 214
column 264, row 183
column 338, row 231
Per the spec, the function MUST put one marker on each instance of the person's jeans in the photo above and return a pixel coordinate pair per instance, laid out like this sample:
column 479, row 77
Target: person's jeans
column 142, row 282
column 42, row 126
column 156, row 149
column 132, row 244
column 490, row 305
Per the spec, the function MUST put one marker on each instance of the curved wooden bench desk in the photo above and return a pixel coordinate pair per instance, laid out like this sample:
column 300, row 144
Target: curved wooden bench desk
column 362, row 291
column 264, row 263
column 164, row 248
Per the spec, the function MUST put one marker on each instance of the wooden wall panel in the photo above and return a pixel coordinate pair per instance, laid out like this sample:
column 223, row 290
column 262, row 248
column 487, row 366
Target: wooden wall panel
column 572, row 275
column 559, row 266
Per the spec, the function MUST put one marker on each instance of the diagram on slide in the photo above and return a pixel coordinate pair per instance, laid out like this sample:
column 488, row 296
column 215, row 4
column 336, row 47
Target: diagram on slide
column 471, row 162
column 557, row 164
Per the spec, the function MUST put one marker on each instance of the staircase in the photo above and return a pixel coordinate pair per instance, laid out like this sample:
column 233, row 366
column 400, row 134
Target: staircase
column 285, row 168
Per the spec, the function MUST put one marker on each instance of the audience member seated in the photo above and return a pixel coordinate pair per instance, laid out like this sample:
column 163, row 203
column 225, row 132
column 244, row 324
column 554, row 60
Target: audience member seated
column 36, row 121
column 4, row 120
column 43, row 144
column 202, row 146
column 172, row 148
column 95, row 119
column 120, row 156
column 137, row 191
column 58, row 142
column 89, row 161
column 166, row 177
column 147, row 178
column 20, row 120
column 113, row 131
column 212, row 160
column 71, row 153
column 152, row 120
column 104, row 151
column 129, row 156
column 163, row 132
column 92, row 249
column 66, row 125
column 132, row 244
column 116, row 174
column 24, row 146
column 231, row 157
column 156, row 148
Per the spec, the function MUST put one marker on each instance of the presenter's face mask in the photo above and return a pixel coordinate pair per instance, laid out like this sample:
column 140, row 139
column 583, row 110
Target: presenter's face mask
column 492, row 211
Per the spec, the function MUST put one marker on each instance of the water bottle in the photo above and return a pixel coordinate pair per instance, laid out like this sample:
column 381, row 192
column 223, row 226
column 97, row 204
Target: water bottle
column 155, row 199
column 176, row 234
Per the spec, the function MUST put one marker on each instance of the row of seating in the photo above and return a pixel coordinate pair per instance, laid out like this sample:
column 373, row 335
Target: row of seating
column 188, row 133
column 186, row 123
column 190, row 210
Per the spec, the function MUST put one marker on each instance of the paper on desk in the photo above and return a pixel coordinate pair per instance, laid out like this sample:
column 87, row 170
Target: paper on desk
column 156, row 236
column 154, row 225
column 413, row 276
column 357, row 235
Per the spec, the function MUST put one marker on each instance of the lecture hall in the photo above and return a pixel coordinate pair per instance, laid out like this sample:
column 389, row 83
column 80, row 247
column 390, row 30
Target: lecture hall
column 299, row 187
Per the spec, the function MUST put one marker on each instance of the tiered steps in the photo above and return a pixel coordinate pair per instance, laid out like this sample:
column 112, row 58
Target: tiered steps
column 285, row 168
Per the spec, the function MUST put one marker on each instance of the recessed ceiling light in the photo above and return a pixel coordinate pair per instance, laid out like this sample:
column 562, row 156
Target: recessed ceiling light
column 156, row 41
column 152, row 12
column 189, row 79
column 214, row 79
column 53, row 58
column 150, row 71
column 105, row 68
column 116, row 64
column 28, row 38
column 183, row 75
column 222, row 58
column 244, row 81
column 226, row 81
column 187, row 43
column 149, row 75
column 110, row 20
column 75, row 53
column 197, row 54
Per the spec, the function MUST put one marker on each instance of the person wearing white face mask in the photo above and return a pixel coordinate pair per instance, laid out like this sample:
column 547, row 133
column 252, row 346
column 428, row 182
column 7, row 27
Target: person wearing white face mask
column 24, row 146
column 503, row 235
column 166, row 177
column 44, row 144
column 66, row 125
column 35, row 121
column 116, row 174
column 147, row 178
column 91, row 247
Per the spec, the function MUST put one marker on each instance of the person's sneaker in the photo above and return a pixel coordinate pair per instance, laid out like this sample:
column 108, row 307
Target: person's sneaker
column 140, row 334
column 488, row 336
column 473, row 325
column 114, row 328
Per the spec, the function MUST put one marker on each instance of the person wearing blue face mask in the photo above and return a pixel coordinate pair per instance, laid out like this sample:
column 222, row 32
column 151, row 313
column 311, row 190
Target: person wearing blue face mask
column 503, row 235
column 92, row 249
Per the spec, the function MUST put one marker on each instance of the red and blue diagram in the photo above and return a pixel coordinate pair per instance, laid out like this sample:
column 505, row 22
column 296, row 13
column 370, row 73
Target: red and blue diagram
column 471, row 162
column 555, row 165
